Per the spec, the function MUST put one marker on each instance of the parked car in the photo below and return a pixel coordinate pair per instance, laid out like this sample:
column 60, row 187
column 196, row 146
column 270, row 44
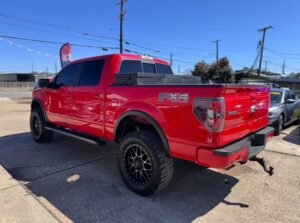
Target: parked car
column 283, row 108
column 153, row 115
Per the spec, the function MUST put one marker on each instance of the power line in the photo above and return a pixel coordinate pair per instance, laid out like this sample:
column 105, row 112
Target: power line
column 58, row 43
column 69, row 28
column 142, row 47
column 5, row 15
column 48, row 31
column 16, row 18
column 170, row 46
column 285, row 66
column 283, row 53
column 63, row 27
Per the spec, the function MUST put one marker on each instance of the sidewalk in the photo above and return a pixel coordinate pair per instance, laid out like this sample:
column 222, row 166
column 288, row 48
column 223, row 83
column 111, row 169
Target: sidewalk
column 20, row 205
column 287, row 143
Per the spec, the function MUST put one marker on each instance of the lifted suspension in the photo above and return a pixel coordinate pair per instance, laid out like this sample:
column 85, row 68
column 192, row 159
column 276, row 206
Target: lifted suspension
column 262, row 162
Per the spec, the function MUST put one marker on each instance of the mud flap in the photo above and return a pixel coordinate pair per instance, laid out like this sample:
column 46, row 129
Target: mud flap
column 262, row 162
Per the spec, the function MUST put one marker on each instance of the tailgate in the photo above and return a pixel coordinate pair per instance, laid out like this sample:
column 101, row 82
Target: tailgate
column 246, row 111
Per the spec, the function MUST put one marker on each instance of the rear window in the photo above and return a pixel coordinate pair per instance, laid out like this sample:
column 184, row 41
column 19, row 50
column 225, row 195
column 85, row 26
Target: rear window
column 131, row 66
column 149, row 68
column 163, row 69
column 91, row 72
column 136, row 66
column 275, row 97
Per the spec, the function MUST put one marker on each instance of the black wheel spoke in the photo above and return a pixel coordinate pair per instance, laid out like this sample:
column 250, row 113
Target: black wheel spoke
column 37, row 127
column 138, row 164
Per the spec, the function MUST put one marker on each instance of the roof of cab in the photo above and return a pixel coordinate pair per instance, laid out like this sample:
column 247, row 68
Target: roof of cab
column 124, row 56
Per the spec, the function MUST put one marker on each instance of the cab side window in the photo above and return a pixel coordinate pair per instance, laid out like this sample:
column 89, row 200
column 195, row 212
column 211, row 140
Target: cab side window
column 67, row 76
column 91, row 72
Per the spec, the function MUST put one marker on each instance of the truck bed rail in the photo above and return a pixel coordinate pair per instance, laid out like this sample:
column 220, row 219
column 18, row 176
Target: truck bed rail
column 156, row 79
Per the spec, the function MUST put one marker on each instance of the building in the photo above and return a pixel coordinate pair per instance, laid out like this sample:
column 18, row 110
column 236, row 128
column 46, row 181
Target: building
column 17, row 77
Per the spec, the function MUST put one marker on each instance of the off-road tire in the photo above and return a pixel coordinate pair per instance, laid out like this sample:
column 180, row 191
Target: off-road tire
column 161, row 166
column 37, row 126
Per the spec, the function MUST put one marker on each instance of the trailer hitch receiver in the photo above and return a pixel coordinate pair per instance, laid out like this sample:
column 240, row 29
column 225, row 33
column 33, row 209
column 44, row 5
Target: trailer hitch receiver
column 262, row 162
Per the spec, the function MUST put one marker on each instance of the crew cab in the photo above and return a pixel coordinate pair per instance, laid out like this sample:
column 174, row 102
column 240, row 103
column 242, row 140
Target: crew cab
column 283, row 108
column 155, row 116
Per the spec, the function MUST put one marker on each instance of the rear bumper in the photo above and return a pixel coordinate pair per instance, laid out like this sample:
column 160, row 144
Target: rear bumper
column 240, row 151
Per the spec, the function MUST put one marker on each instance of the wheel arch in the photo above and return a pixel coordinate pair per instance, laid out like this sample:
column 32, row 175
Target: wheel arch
column 140, row 116
column 36, row 103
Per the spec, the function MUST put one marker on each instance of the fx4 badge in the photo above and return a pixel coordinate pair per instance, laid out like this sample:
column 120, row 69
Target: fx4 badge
column 174, row 97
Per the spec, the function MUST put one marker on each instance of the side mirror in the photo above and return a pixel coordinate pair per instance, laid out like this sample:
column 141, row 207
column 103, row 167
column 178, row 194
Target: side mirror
column 290, row 101
column 43, row 82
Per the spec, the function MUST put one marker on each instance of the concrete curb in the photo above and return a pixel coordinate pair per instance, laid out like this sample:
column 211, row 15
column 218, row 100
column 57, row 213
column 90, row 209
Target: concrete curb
column 18, row 204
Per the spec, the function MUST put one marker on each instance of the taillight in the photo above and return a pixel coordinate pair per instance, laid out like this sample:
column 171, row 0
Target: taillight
column 210, row 112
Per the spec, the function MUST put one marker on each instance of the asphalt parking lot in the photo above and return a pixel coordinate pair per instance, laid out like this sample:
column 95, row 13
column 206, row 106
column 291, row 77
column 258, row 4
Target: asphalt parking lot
column 75, row 181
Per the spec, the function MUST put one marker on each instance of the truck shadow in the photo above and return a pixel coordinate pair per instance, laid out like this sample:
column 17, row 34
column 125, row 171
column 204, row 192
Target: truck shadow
column 83, row 182
column 293, row 136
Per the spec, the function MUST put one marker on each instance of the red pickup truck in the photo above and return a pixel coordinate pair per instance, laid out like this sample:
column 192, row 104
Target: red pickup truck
column 154, row 115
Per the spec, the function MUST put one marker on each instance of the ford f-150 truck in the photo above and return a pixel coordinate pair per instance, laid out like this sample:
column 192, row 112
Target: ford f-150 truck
column 155, row 116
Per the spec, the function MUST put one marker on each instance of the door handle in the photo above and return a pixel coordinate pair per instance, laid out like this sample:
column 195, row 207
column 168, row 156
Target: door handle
column 254, row 109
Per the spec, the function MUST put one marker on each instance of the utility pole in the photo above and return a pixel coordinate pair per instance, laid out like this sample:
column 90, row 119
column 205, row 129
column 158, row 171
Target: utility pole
column 171, row 59
column 55, row 65
column 217, row 49
column 283, row 67
column 122, row 14
column 32, row 67
column 262, row 46
column 179, row 71
column 266, row 65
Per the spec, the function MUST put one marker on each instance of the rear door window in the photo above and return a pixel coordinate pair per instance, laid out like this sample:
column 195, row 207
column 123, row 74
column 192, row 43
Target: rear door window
column 131, row 66
column 67, row 76
column 91, row 72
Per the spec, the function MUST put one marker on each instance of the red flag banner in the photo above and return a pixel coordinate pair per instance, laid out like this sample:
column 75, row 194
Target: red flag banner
column 65, row 55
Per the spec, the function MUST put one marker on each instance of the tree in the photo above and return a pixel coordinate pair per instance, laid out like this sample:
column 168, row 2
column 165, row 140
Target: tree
column 225, row 70
column 294, row 75
column 220, row 72
column 201, row 69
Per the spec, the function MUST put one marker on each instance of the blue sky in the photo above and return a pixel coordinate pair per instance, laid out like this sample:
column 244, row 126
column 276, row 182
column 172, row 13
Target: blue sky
column 184, row 28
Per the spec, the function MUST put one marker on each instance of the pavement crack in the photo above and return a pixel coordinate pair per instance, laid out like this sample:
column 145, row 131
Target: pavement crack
column 7, row 188
column 287, row 154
